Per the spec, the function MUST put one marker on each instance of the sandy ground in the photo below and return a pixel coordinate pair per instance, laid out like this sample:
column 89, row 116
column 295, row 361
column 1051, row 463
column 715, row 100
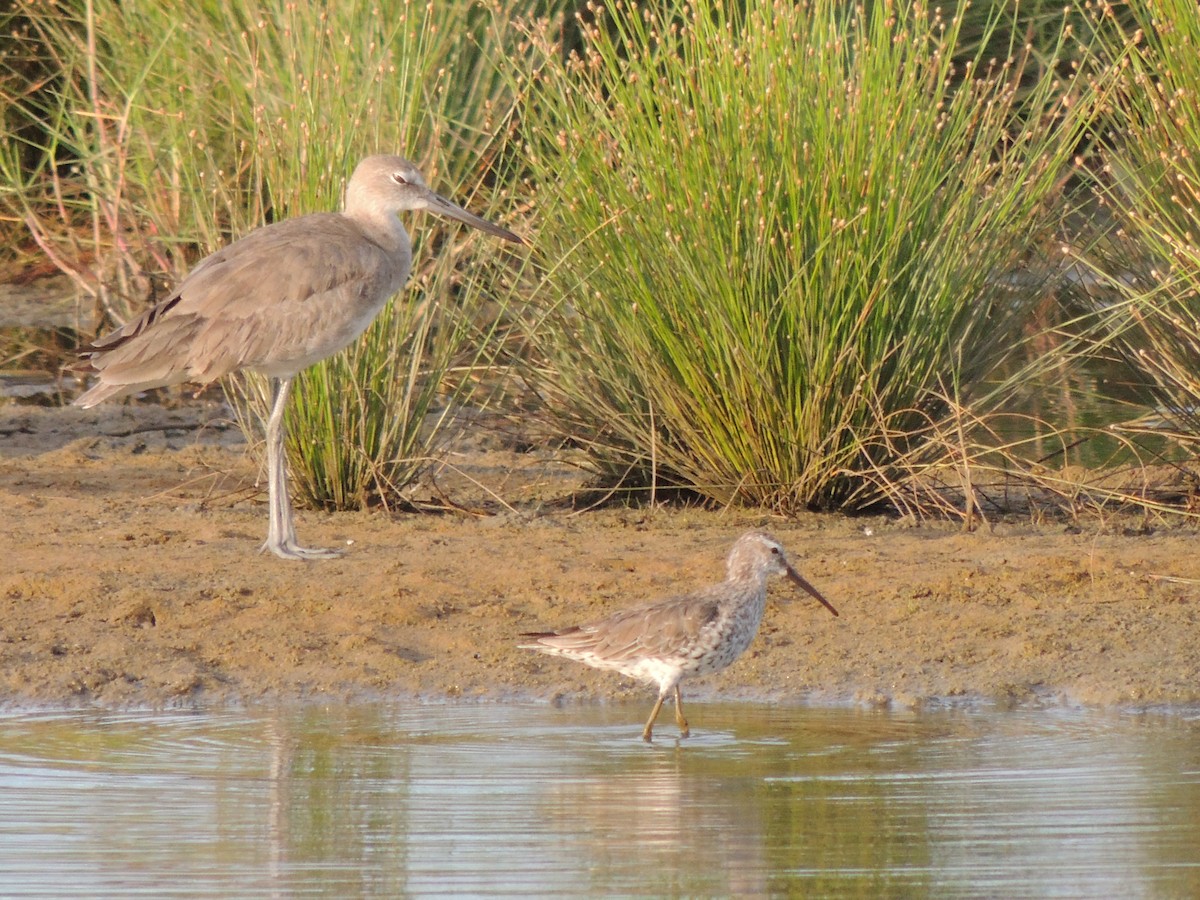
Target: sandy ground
column 131, row 577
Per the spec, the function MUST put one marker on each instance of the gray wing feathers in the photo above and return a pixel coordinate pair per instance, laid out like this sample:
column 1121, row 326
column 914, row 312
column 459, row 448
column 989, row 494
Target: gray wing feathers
column 282, row 293
column 659, row 630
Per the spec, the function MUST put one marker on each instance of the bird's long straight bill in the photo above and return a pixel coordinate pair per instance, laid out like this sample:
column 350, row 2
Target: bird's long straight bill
column 796, row 577
column 443, row 207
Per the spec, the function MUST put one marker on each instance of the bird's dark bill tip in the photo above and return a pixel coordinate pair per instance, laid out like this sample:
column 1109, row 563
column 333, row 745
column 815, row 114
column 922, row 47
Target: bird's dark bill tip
column 800, row 580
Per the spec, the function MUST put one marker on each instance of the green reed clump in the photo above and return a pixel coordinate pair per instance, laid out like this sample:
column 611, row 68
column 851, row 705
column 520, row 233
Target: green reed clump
column 1153, row 194
column 175, row 127
column 778, row 236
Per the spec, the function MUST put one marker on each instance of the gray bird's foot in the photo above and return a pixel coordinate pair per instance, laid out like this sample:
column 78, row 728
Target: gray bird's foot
column 289, row 549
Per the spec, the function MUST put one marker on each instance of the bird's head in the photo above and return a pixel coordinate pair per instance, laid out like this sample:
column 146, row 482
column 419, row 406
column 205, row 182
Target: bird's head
column 757, row 554
column 392, row 184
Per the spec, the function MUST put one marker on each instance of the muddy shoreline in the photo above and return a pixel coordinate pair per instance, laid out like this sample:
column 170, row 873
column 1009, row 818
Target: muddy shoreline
column 132, row 578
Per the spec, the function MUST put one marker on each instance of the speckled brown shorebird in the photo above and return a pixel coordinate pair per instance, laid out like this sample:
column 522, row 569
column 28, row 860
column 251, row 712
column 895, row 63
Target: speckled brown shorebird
column 682, row 637
column 277, row 301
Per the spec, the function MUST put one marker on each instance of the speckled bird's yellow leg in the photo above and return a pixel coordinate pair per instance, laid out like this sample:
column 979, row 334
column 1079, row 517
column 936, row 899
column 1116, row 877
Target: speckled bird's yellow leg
column 653, row 715
column 679, row 719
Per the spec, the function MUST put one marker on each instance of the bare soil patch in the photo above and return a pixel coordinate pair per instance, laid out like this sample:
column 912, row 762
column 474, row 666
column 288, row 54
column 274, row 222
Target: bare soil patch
column 131, row 577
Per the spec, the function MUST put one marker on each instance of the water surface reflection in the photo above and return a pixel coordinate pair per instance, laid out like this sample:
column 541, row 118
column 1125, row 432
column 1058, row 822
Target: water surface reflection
column 390, row 801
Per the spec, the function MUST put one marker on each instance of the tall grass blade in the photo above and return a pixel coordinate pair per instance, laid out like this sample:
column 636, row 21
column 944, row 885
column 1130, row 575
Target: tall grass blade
column 779, row 236
column 172, row 128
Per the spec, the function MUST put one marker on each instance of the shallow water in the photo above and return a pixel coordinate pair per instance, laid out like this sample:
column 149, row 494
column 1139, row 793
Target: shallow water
column 390, row 801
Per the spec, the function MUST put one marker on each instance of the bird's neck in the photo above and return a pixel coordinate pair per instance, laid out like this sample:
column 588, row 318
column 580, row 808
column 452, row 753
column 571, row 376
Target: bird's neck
column 745, row 572
column 381, row 225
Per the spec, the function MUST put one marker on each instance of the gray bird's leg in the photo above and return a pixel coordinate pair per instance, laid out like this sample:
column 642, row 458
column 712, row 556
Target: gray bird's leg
column 281, row 532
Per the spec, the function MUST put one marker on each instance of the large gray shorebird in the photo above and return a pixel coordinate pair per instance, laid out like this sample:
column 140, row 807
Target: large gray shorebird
column 276, row 301
column 682, row 637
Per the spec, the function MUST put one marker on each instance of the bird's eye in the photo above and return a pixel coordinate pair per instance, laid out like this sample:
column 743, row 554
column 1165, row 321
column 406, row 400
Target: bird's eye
column 398, row 178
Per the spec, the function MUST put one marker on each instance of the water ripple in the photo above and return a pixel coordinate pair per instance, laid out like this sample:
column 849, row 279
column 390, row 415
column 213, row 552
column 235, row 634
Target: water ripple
column 476, row 799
